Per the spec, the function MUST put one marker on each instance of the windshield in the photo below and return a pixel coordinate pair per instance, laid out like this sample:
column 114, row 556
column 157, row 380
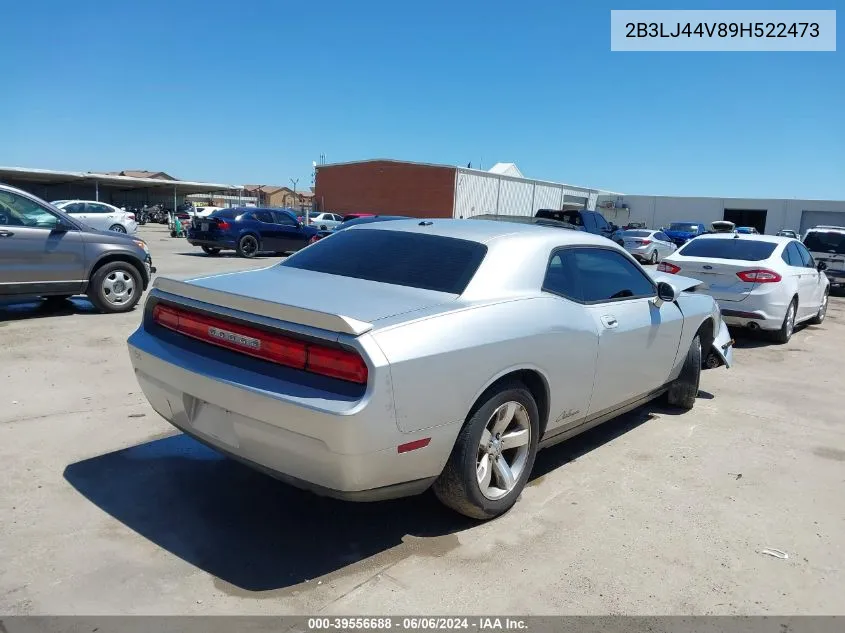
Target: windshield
column 428, row 262
column 732, row 248
column 684, row 227
column 826, row 242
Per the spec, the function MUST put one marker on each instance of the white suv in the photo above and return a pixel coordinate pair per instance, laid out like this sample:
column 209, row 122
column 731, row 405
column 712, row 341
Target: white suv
column 99, row 215
column 827, row 244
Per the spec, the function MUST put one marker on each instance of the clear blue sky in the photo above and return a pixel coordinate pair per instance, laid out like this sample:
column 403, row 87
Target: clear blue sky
column 253, row 91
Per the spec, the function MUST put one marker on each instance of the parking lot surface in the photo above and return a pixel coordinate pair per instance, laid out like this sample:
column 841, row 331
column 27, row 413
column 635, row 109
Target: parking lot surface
column 106, row 509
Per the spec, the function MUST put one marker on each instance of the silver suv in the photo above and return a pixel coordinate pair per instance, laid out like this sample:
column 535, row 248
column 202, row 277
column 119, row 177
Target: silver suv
column 827, row 244
column 45, row 252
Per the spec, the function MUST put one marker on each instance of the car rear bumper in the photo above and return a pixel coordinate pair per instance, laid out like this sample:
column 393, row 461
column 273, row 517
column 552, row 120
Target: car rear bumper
column 749, row 317
column 212, row 243
column 346, row 450
column 836, row 277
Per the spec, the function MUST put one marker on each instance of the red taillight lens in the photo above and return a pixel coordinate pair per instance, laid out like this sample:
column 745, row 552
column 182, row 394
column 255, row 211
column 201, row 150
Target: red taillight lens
column 759, row 276
column 223, row 225
column 314, row 238
column 131, row 216
column 666, row 267
column 644, row 242
column 336, row 363
column 282, row 350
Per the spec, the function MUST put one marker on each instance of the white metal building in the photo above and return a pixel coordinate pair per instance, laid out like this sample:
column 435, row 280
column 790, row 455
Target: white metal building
column 767, row 215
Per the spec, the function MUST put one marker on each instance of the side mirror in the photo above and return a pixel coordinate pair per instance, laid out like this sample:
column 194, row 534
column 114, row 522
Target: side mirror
column 665, row 293
column 821, row 266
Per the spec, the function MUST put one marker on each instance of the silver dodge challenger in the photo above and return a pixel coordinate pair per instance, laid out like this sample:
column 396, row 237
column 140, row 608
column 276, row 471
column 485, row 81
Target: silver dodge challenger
column 400, row 356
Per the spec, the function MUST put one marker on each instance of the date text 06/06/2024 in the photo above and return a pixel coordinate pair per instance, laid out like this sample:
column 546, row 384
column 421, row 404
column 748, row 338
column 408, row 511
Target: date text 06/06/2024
column 424, row 623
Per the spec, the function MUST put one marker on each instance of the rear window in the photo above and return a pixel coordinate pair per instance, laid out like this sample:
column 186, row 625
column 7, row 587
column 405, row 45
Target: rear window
column 733, row 248
column 636, row 233
column 226, row 214
column 429, row 262
column 825, row 242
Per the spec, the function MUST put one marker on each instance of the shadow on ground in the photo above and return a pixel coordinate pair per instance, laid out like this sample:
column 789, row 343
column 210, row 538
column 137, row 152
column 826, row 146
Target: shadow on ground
column 39, row 308
column 259, row 534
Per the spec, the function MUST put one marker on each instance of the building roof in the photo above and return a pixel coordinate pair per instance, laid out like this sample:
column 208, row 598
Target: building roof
column 50, row 176
column 506, row 169
column 142, row 173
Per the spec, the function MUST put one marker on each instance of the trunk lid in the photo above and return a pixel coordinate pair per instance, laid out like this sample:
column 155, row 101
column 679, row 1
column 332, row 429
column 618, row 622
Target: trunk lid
column 718, row 276
column 330, row 302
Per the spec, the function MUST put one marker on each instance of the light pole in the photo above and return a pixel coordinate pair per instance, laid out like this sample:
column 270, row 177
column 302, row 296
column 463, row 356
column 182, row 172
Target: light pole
column 294, row 181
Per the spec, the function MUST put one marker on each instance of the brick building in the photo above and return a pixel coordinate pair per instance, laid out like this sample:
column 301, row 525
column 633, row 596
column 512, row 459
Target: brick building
column 390, row 187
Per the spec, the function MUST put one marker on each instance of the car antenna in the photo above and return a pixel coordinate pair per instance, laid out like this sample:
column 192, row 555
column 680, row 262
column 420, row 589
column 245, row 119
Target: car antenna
column 425, row 223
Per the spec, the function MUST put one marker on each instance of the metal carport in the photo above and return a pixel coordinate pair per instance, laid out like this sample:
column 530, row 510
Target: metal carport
column 122, row 191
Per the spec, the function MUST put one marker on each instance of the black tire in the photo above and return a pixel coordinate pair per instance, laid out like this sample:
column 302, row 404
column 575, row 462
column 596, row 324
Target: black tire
column 117, row 228
column 457, row 486
column 783, row 335
column 684, row 388
column 208, row 250
column 819, row 318
column 248, row 246
column 118, row 300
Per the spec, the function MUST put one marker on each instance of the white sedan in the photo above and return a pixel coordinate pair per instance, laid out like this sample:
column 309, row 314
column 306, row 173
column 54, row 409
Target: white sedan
column 761, row 282
column 99, row 215
column 646, row 245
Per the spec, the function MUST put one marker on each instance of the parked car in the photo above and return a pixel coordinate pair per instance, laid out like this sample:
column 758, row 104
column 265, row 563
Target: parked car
column 682, row 232
column 747, row 230
column 589, row 221
column 250, row 231
column 44, row 252
column 634, row 225
column 827, row 244
column 201, row 212
column 99, row 215
column 788, row 233
column 646, row 245
column 355, row 222
column 355, row 216
column 761, row 282
column 722, row 226
column 323, row 221
column 398, row 356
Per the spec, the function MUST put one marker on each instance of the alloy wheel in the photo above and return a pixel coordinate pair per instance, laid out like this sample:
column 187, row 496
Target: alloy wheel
column 503, row 450
column 118, row 287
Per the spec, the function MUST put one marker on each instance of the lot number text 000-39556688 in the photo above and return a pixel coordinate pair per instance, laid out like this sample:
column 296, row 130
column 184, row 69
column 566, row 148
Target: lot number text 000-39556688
column 729, row 30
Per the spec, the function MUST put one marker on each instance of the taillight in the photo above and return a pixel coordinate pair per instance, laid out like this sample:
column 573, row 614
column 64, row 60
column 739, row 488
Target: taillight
column 644, row 242
column 222, row 225
column 759, row 276
column 314, row 238
column 276, row 348
column 131, row 216
column 666, row 267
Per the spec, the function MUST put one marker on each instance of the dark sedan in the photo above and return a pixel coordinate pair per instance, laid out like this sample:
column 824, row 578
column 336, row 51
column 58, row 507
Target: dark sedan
column 355, row 221
column 250, row 231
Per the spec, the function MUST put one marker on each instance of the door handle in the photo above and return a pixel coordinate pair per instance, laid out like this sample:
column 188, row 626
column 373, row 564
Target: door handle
column 609, row 321
column 6, row 234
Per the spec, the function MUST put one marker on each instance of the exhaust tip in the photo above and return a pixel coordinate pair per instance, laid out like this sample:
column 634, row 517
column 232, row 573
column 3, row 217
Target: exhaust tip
column 753, row 326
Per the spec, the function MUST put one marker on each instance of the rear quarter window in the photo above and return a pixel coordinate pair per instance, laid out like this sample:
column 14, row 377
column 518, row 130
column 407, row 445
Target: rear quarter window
column 733, row 248
column 428, row 262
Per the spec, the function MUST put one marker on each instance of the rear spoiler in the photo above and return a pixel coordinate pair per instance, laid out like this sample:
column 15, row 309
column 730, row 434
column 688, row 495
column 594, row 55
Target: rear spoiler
column 261, row 307
column 678, row 282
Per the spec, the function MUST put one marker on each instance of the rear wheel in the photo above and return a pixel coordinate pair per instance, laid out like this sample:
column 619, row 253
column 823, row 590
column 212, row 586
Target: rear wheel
column 248, row 246
column 816, row 320
column 208, row 250
column 115, row 287
column 117, row 228
column 783, row 335
column 653, row 259
column 493, row 455
column 684, row 388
